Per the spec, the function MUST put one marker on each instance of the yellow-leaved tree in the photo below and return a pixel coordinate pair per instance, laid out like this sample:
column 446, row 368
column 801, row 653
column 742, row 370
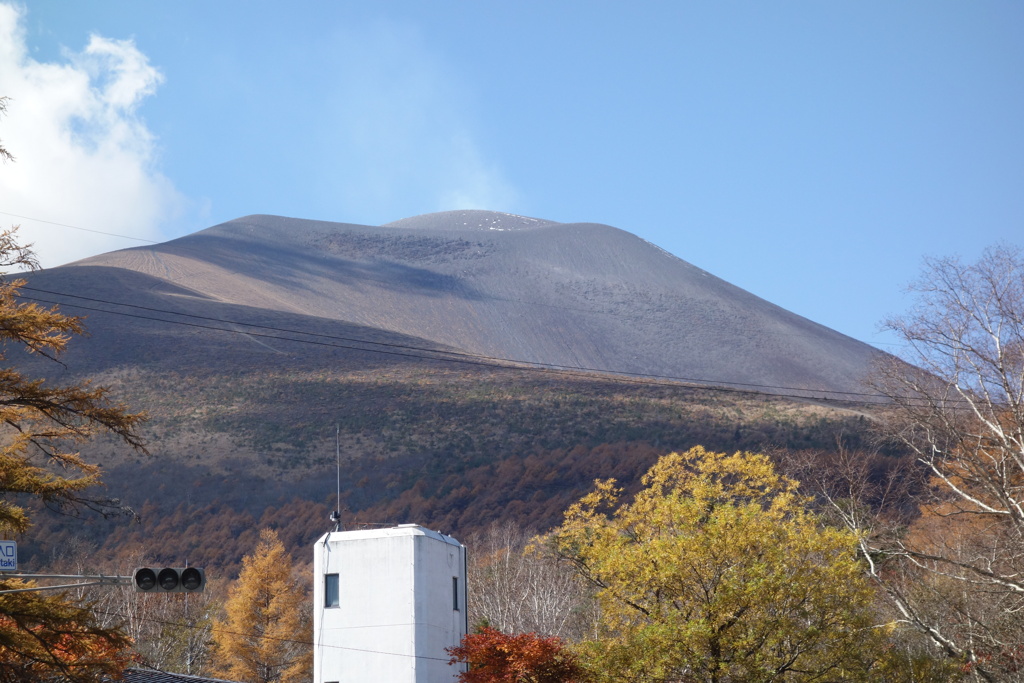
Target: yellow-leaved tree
column 267, row 635
column 716, row 571
column 47, row 637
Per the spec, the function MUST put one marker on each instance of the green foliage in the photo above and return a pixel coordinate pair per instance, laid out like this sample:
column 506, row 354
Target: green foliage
column 717, row 571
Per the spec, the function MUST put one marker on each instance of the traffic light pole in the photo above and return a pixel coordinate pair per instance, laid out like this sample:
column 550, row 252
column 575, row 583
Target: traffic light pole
column 98, row 580
column 145, row 580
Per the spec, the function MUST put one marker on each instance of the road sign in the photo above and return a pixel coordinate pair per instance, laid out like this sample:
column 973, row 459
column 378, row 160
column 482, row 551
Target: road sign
column 8, row 555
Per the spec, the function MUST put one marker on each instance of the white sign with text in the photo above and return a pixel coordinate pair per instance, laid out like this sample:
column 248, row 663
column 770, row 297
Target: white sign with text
column 8, row 555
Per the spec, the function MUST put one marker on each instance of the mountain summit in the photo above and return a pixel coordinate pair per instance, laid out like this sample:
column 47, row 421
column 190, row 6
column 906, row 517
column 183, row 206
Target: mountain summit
column 573, row 295
column 265, row 348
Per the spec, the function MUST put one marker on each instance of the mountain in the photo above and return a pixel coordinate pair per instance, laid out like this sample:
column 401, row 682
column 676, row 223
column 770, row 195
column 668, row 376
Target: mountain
column 430, row 354
column 573, row 295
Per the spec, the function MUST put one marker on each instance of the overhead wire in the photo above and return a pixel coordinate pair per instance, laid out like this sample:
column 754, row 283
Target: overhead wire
column 281, row 639
column 238, row 322
column 624, row 376
column 424, row 353
column 149, row 241
column 76, row 227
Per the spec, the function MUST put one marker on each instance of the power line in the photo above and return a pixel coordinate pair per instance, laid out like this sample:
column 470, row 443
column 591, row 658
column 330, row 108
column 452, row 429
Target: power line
column 459, row 354
column 149, row 241
column 294, row 641
column 404, row 350
column 75, row 227
column 237, row 322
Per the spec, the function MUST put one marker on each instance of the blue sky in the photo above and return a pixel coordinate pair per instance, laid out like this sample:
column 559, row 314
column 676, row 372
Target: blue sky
column 809, row 152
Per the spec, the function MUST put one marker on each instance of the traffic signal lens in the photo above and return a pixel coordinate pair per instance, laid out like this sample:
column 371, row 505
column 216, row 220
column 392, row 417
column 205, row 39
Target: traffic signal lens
column 168, row 579
column 191, row 579
column 145, row 579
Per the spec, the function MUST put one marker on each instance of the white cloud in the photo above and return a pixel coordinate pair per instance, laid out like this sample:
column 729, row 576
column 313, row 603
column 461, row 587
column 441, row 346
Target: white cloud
column 404, row 127
column 475, row 184
column 84, row 157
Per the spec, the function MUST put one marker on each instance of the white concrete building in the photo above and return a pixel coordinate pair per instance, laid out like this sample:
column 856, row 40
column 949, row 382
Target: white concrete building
column 387, row 602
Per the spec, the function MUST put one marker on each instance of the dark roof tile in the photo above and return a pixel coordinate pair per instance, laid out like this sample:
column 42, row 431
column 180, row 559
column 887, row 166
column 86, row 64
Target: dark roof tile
column 150, row 676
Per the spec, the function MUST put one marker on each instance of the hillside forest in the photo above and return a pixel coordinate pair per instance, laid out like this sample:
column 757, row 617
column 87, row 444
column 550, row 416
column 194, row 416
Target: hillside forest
column 620, row 528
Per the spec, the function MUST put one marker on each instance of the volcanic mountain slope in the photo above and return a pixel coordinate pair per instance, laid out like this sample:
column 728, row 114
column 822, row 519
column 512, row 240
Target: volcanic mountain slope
column 262, row 347
column 575, row 295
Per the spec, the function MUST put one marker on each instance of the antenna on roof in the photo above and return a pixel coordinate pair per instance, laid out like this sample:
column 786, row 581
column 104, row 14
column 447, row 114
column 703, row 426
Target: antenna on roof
column 336, row 513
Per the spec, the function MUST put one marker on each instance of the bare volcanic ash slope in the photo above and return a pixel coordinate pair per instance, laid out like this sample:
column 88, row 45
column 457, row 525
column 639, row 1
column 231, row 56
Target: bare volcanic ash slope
column 259, row 346
column 575, row 295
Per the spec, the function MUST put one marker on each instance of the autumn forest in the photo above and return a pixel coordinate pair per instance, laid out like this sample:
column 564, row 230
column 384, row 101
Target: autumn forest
column 620, row 526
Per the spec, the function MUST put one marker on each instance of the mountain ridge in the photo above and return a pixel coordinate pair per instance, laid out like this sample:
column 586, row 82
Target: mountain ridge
column 263, row 346
column 580, row 295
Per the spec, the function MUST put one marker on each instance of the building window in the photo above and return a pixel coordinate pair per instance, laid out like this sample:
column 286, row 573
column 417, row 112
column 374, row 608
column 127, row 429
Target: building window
column 455, row 593
column 331, row 592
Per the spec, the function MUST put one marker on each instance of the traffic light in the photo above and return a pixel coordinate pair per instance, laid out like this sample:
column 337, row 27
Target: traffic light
column 169, row 580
